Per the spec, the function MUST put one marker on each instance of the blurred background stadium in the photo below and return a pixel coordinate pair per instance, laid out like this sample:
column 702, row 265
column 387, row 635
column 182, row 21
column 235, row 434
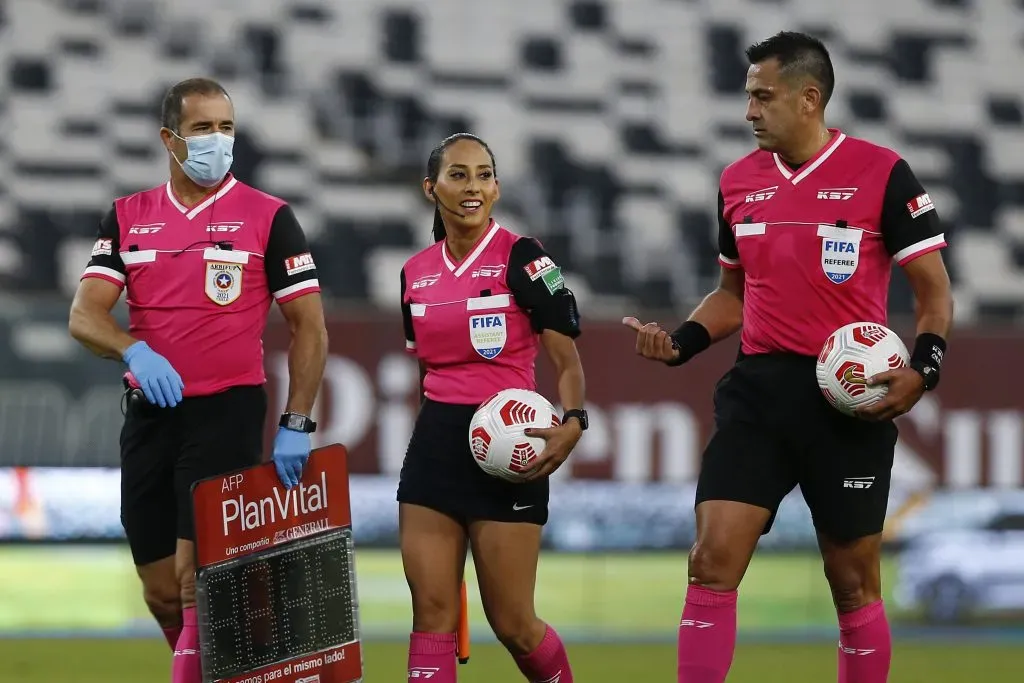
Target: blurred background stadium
column 611, row 120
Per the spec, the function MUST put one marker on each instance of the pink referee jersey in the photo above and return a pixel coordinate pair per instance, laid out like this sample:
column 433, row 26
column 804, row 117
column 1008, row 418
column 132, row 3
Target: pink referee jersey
column 817, row 243
column 200, row 280
column 474, row 323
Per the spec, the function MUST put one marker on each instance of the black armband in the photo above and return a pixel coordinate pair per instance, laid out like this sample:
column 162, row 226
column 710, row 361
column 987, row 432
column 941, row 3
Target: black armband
column 689, row 339
column 559, row 314
column 927, row 358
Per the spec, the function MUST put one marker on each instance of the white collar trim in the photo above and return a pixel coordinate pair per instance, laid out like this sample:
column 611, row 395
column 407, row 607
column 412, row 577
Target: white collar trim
column 804, row 172
column 203, row 205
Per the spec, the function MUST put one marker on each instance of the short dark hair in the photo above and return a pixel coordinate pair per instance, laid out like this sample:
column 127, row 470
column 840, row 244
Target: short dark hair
column 170, row 109
column 799, row 55
column 434, row 170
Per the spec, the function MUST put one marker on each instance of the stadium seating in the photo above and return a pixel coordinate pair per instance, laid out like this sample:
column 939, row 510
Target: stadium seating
column 611, row 120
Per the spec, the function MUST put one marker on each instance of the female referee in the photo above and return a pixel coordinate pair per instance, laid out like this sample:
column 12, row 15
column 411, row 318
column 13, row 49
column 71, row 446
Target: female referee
column 474, row 305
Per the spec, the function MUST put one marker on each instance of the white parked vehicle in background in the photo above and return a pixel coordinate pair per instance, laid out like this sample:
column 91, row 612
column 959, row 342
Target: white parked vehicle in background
column 966, row 560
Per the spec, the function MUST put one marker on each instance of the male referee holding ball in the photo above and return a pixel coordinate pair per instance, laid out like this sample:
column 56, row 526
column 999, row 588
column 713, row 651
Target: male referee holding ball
column 201, row 258
column 809, row 226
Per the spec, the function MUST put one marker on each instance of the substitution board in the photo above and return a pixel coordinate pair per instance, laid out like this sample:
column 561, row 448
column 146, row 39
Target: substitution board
column 276, row 583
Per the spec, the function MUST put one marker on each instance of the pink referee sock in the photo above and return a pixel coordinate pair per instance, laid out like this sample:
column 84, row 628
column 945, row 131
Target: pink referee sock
column 432, row 657
column 548, row 663
column 186, row 666
column 707, row 636
column 865, row 645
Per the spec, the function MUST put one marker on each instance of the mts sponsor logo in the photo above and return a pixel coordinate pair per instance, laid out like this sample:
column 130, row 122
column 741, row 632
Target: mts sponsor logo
column 537, row 268
column 280, row 505
column 920, row 204
column 102, row 247
column 299, row 263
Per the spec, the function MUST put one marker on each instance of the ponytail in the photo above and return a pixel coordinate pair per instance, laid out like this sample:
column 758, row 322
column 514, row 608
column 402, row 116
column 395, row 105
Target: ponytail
column 439, row 233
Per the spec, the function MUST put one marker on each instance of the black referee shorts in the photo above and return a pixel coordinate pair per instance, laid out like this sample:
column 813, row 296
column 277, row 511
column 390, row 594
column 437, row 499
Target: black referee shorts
column 775, row 431
column 165, row 450
column 440, row 473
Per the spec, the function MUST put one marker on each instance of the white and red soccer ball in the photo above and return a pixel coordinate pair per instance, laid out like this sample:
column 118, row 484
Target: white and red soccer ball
column 851, row 355
column 497, row 435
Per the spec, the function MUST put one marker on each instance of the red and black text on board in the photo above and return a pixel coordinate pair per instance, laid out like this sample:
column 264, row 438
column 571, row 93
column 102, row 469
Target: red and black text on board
column 276, row 581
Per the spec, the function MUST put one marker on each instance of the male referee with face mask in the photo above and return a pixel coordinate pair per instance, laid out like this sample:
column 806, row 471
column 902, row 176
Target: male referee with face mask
column 201, row 258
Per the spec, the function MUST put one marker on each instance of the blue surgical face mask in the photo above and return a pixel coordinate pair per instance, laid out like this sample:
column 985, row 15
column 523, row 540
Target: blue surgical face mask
column 209, row 157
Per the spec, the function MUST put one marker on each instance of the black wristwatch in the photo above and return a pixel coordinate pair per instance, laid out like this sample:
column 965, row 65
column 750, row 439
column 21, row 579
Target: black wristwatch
column 297, row 423
column 580, row 415
column 929, row 372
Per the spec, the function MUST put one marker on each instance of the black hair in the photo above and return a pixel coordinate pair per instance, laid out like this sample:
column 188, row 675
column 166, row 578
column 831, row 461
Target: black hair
column 170, row 109
column 434, row 169
column 799, row 54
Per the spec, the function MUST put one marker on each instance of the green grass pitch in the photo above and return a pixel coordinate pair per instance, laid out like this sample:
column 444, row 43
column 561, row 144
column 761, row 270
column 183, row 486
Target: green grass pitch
column 620, row 599
column 633, row 595
column 145, row 661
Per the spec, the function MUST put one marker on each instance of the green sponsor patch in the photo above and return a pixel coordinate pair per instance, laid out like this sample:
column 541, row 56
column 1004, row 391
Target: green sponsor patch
column 553, row 279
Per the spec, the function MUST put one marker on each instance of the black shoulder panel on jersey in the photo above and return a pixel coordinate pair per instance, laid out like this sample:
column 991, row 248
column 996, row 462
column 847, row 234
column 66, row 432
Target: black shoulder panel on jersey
column 726, row 240
column 410, row 335
column 287, row 261
column 538, row 287
column 909, row 218
column 105, row 260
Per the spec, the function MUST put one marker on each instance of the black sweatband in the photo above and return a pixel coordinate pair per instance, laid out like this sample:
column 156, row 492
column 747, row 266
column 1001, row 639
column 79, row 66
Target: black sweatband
column 689, row 339
column 927, row 357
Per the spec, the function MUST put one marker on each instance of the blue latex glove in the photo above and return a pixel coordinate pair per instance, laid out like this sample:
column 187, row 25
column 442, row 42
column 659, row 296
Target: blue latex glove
column 160, row 382
column 291, row 450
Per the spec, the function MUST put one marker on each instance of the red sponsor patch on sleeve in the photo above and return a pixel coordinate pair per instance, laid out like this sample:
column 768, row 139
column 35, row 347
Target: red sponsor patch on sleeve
column 919, row 205
column 537, row 268
column 102, row 247
column 299, row 263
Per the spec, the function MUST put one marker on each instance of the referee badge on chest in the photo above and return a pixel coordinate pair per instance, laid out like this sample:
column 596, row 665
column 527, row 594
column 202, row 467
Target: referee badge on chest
column 488, row 334
column 840, row 251
column 223, row 282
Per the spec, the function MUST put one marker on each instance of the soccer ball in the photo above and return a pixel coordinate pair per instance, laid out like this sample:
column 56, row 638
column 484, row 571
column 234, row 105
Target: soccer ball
column 851, row 355
column 497, row 433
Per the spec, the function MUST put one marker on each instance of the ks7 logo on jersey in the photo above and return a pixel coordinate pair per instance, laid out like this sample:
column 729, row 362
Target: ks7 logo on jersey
column 840, row 193
column 762, row 195
column 147, row 229
column 226, row 226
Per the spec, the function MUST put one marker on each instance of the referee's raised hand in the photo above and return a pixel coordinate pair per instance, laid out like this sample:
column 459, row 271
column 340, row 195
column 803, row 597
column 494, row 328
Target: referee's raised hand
column 652, row 341
column 160, row 382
